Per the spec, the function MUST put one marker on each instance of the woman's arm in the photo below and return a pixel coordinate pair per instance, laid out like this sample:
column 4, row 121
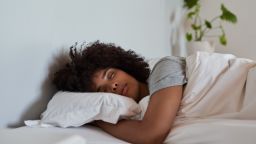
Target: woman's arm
column 156, row 123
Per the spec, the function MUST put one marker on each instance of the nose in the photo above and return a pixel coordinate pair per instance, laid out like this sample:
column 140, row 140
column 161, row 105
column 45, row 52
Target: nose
column 114, row 87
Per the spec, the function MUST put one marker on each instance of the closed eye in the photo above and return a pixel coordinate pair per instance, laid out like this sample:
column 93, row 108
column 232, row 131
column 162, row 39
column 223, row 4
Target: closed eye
column 111, row 75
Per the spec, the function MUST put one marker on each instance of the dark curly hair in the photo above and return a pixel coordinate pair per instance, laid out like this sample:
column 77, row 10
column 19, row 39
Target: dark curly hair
column 77, row 74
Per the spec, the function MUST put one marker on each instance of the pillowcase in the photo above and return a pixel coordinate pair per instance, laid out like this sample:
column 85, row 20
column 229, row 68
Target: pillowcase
column 73, row 109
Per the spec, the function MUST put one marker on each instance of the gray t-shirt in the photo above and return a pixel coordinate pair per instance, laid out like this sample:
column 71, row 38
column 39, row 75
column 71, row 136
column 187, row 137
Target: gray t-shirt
column 168, row 71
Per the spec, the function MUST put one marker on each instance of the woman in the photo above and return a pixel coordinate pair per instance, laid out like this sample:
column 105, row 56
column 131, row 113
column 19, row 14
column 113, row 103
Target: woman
column 103, row 67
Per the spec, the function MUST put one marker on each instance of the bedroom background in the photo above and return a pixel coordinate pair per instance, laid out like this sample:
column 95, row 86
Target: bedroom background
column 32, row 32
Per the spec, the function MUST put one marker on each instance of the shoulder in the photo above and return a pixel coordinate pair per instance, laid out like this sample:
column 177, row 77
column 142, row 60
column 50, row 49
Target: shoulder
column 169, row 65
column 167, row 71
column 169, row 61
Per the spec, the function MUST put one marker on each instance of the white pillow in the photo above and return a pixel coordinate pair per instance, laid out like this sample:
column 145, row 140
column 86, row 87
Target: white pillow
column 73, row 109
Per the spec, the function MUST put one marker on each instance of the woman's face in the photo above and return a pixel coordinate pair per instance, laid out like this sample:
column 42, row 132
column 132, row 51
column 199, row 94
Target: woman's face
column 116, row 81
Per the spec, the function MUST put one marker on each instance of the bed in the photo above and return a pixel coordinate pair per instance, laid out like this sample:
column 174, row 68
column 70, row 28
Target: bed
column 218, row 107
column 200, row 131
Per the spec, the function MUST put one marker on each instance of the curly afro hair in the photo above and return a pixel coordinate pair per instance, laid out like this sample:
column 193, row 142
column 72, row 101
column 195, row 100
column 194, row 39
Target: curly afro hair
column 77, row 74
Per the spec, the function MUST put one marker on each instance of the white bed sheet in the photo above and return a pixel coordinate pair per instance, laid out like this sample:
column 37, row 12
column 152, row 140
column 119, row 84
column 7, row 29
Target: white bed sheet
column 201, row 131
column 54, row 135
column 213, row 131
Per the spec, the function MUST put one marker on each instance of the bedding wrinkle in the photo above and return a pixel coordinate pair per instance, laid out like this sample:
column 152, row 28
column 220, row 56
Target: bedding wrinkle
column 198, row 83
column 216, row 86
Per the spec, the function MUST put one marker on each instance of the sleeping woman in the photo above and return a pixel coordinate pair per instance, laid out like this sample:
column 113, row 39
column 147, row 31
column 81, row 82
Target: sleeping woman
column 101, row 67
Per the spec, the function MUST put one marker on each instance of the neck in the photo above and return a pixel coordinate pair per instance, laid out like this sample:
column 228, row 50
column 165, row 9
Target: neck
column 143, row 89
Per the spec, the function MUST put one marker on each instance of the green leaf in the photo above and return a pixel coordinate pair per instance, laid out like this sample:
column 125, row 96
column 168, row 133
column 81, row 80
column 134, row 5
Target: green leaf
column 227, row 15
column 189, row 36
column 191, row 14
column 196, row 27
column 208, row 24
column 223, row 40
column 190, row 3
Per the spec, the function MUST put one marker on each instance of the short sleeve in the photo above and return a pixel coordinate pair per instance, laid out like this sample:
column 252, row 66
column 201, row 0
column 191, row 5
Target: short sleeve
column 168, row 71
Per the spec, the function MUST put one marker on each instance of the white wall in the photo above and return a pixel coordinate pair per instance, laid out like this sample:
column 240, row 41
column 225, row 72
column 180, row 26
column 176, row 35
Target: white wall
column 33, row 32
column 242, row 36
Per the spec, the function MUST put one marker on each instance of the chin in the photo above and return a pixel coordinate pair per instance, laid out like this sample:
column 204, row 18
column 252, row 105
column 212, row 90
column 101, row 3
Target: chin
column 132, row 96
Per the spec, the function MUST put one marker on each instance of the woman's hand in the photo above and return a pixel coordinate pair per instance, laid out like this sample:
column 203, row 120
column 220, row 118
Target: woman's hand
column 157, row 122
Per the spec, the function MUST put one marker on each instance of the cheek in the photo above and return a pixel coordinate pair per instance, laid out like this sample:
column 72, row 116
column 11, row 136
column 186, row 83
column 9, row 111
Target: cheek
column 134, row 91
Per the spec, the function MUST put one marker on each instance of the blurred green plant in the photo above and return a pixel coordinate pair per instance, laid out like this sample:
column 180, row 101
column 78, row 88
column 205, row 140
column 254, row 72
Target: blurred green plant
column 201, row 27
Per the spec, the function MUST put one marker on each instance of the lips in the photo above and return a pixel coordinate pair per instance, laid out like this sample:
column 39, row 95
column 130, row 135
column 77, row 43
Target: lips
column 124, row 90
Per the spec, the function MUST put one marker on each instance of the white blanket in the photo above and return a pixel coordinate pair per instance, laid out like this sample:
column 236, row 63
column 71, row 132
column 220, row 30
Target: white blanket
column 219, row 102
column 216, row 87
